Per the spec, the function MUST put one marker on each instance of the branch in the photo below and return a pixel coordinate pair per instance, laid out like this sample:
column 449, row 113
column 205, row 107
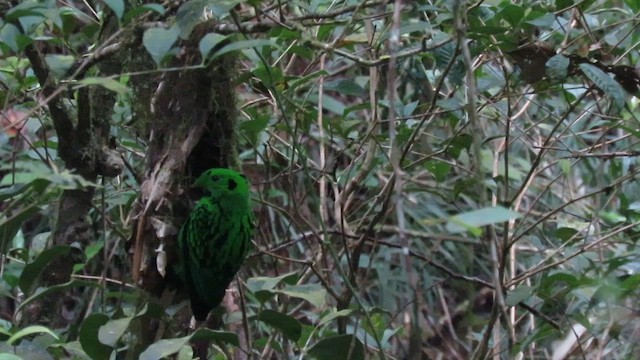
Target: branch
column 61, row 120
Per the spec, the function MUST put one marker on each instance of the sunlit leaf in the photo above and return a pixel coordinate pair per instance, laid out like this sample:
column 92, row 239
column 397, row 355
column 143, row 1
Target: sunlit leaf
column 268, row 283
column 313, row 293
column 30, row 330
column 481, row 217
column 210, row 41
column 112, row 331
column 159, row 41
column 7, row 356
column 168, row 347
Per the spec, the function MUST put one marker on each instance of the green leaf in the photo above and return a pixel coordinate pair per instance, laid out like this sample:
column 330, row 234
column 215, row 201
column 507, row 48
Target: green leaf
column 194, row 12
column 53, row 290
column 634, row 5
column 542, row 332
column 27, row 9
column 631, row 283
column 346, row 87
column 565, row 165
column 30, row 330
column 186, row 353
column 518, row 295
column 448, row 53
column 565, row 233
column 513, row 14
column 9, row 227
column 313, row 293
column 9, row 36
column 477, row 218
column 167, row 347
column 60, row 64
column 263, row 283
column 557, row 67
column 544, row 20
column 33, row 270
column 11, row 191
column 7, row 356
column 444, row 54
column 30, row 14
column 329, row 103
column 461, row 186
column 439, row 169
column 270, row 77
column 378, row 325
column 131, row 14
column 483, row 31
column 341, row 347
column 334, row 315
column 106, row 82
column 30, row 171
column 262, row 287
column 89, row 252
column 159, row 41
column 5, row 334
column 289, row 326
column 458, row 143
column 112, row 331
column 220, row 8
column 242, row 45
column 88, row 337
column 117, row 6
column 252, row 128
column 302, row 81
column 72, row 349
column 210, row 41
column 549, row 284
column 190, row 14
column 605, row 83
column 164, row 348
column 564, row 4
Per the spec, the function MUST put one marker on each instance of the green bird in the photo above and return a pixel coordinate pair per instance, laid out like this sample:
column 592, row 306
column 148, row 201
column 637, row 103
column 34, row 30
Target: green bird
column 215, row 239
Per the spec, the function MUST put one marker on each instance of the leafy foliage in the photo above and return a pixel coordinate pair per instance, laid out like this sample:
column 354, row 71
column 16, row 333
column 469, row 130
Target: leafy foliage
column 430, row 179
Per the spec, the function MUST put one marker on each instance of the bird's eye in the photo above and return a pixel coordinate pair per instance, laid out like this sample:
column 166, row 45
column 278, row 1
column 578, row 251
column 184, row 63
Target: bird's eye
column 232, row 184
column 215, row 178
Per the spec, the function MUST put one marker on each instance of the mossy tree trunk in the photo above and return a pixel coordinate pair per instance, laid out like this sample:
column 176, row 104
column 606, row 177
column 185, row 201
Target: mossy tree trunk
column 189, row 119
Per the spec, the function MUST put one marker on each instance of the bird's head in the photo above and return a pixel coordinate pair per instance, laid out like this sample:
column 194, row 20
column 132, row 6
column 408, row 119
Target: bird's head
column 223, row 182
